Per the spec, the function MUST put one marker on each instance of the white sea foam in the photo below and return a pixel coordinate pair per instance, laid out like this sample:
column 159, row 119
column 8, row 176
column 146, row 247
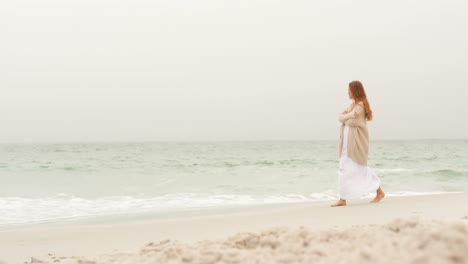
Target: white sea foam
column 17, row 210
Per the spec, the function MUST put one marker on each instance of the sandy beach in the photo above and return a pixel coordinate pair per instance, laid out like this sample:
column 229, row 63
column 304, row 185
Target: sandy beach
column 413, row 229
column 222, row 132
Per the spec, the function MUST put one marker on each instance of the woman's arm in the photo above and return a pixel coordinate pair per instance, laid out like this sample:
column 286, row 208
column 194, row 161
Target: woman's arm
column 344, row 117
column 348, row 114
column 358, row 111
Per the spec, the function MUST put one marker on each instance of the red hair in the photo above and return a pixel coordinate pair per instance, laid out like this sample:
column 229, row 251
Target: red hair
column 359, row 95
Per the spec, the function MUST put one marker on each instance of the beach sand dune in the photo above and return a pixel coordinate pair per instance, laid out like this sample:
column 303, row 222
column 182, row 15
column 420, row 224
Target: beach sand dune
column 400, row 241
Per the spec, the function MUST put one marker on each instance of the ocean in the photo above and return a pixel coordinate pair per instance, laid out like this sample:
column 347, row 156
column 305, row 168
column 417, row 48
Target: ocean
column 54, row 182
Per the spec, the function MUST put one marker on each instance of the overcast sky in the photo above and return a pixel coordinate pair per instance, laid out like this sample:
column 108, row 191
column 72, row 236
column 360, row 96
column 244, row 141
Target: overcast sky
column 156, row 70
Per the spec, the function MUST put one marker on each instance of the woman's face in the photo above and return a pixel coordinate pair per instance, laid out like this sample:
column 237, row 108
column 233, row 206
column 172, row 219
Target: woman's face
column 350, row 94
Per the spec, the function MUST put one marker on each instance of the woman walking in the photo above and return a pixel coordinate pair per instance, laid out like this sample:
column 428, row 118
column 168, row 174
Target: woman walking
column 355, row 178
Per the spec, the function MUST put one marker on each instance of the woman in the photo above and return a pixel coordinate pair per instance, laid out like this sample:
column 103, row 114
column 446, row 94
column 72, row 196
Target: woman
column 355, row 178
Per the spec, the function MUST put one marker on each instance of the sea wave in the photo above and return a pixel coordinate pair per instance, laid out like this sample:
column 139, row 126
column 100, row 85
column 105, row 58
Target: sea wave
column 392, row 170
column 448, row 172
column 22, row 210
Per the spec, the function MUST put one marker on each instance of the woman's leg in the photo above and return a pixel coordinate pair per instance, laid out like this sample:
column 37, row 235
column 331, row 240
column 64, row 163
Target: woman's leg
column 341, row 202
column 379, row 195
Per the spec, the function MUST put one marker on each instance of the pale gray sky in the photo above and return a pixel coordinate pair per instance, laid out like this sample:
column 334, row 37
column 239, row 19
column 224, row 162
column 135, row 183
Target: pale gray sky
column 138, row 70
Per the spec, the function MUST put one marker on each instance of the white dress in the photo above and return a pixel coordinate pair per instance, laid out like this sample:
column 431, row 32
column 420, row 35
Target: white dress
column 354, row 180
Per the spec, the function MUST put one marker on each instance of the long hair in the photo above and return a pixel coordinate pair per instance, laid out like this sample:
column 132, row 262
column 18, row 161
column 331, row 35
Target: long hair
column 359, row 95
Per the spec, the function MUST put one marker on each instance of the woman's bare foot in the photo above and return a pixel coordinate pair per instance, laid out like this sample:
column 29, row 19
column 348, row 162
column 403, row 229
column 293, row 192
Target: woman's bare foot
column 341, row 202
column 380, row 195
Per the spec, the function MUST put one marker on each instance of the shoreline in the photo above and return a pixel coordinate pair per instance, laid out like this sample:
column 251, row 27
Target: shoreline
column 89, row 239
column 136, row 216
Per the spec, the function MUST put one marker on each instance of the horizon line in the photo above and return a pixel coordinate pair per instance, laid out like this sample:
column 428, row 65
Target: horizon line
column 213, row 141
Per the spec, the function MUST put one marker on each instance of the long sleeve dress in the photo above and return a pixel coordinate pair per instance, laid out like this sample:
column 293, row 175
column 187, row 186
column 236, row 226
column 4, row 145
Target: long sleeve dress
column 355, row 178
